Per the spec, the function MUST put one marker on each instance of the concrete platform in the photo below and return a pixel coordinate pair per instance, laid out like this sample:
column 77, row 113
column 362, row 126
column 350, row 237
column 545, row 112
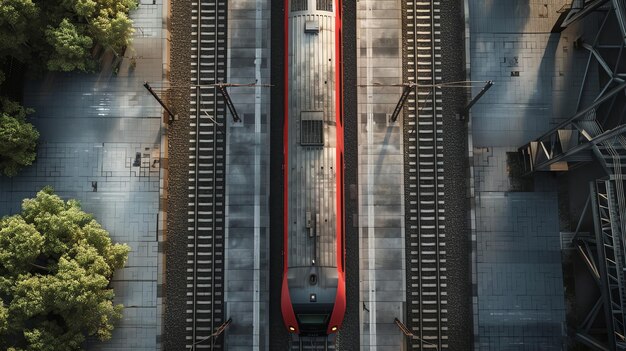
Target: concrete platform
column 246, row 292
column 381, row 175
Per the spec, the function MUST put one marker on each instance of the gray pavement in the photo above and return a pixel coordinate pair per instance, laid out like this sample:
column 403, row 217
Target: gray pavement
column 520, row 287
column 517, row 274
column 381, row 175
column 100, row 144
column 246, row 292
column 535, row 71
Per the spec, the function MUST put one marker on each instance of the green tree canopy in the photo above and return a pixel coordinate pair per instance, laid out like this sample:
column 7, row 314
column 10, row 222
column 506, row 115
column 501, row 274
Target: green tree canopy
column 18, row 138
column 16, row 24
column 4, row 314
column 56, row 263
column 62, row 33
column 113, row 32
column 71, row 48
column 82, row 8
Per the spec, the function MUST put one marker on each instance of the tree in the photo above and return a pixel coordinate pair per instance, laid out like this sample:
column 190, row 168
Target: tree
column 112, row 32
column 20, row 244
column 71, row 48
column 56, row 263
column 107, row 20
column 61, row 33
column 16, row 21
column 83, row 8
column 18, row 138
column 3, row 319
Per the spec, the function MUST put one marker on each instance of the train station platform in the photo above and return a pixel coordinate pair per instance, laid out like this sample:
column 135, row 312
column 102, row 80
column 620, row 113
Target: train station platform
column 101, row 144
column 382, row 273
column 247, row 235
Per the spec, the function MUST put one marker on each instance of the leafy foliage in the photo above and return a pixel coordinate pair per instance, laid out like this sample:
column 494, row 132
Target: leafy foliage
column 113, row 32
column 20, row 244
column 71, row 48
column 16, row 20
column 4, row 314
column 18, row 138
column 63, row 33
column 56, row 263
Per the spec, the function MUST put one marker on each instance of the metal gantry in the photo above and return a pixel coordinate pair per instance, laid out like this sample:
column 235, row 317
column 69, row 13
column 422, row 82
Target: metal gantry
column 607, row 197
column 589, row 131
column 578, row 9
column 596, row 132
column 604, row 255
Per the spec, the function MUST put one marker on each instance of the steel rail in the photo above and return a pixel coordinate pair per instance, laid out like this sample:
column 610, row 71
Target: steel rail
column 206, row 146
column 435, row 165
column 312, row 343
column 425, row 230
column 196, row 172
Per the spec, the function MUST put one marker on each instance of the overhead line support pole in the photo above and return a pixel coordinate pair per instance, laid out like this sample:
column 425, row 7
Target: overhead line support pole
column 229, row 102
column 405, row 95
column 465, row 111
column 158, row 99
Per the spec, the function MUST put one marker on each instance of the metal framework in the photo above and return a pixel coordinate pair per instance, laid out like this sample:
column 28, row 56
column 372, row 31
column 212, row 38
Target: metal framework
column 604, row 255
column 609, row 221
column 584, row 135
column 596, row 132
column 580, row 9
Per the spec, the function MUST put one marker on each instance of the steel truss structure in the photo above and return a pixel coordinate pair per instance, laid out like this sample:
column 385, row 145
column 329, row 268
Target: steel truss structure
column 597, row 132
column 604, row 254
column 586, row 134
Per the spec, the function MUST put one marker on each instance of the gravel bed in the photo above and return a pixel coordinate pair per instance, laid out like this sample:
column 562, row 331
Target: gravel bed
column 349, row 337
column 178, row 148
column 279, row 338
column 458, row 244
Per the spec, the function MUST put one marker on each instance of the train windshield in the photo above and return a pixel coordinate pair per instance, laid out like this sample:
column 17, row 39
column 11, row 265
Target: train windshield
column 312, row 318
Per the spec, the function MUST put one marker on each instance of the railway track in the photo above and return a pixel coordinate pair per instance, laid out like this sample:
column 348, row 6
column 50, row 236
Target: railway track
column 425, row 220
column 305, row 343
column 205, row 238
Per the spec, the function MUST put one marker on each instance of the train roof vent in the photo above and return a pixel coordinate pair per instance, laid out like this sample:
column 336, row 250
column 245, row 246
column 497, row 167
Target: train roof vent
column 311, row 128
column 299, row 5
column 311, row 27
column 324, row 5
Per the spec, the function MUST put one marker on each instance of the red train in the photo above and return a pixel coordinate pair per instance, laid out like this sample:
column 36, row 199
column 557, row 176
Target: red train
column 313, row 299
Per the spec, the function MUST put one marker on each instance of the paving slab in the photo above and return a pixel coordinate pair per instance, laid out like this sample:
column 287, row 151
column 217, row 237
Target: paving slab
column 246, row 292
column 381, row 179
column 520, row 284
column 100, row 144
column 517, row 273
